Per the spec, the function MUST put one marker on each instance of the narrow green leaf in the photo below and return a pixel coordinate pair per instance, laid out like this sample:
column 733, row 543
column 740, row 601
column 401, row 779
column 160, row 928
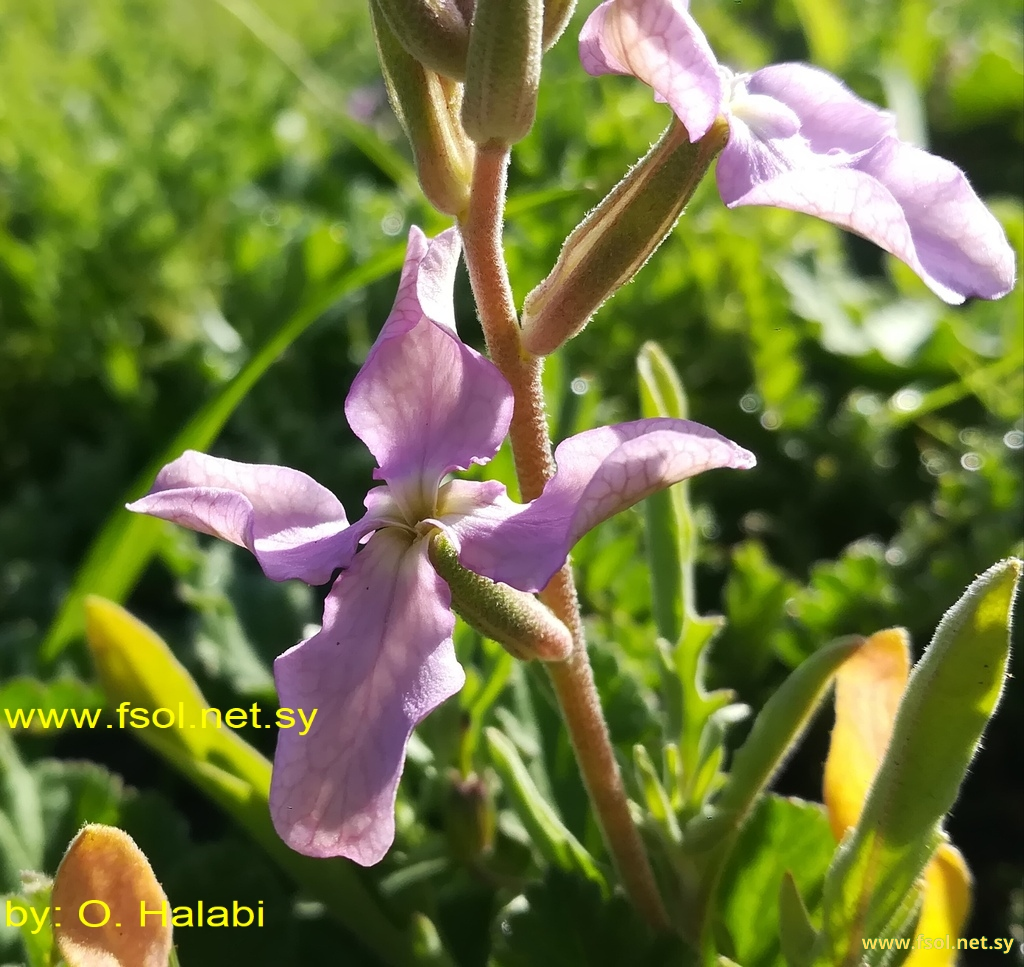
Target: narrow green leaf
column 796, row 932
column 950, row 696
column 658, row 803
column 127, row 541
column 671, row 538
column 428, row 947
column 776, row 731
column 901, row 930
column 669, row 524
column 555, row 842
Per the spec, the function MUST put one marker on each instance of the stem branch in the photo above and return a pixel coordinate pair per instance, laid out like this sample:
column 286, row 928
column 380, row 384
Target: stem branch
column 573, row 679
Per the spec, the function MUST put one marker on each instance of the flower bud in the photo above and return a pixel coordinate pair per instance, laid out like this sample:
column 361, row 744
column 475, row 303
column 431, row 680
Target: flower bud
column 517, row 621
column 100, row 885
column 503, row 70
column 557, row 14
column 613, row 242
column 469, row 818
column 434, row 32
column 427, row 105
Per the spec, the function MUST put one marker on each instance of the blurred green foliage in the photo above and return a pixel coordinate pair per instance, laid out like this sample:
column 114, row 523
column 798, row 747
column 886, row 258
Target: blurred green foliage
column 182, row 180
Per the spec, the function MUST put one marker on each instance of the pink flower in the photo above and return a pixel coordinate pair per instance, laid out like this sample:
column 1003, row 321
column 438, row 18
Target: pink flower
column 425, row 404
column 799, row 139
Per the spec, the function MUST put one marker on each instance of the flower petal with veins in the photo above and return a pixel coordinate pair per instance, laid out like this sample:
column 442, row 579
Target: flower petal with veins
column 424, row 402
column 294, row 527
column 799, row 139
column 660, row 44
column 383, row 660
column 600, row 473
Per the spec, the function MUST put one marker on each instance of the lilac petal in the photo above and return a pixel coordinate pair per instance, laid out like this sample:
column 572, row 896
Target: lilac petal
column 658, row 42
column 846, row 165
column 911, row 204
column 959, row 244
column 383, row 660
column 294, row 527
column 832, row 117
column 600, row 473
column 424, row 402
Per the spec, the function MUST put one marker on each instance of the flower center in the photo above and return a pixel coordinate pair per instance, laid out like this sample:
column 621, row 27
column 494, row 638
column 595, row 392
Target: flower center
column 766, row 117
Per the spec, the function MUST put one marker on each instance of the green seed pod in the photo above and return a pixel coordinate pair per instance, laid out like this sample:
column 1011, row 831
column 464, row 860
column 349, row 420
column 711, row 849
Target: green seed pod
column 503, row 70
column 434, row 32
column 427, row 105
column 517, row 621
column 613, row 242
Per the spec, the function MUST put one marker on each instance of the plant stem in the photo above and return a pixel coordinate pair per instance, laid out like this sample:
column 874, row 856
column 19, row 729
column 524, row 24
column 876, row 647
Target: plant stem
column 573, row 679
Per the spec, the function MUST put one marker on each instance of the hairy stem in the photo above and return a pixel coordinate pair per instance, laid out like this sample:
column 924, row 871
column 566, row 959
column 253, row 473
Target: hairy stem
column 573, row 679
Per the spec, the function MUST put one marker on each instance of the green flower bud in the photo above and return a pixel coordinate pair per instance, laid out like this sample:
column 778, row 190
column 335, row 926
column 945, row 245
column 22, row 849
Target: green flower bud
column 557, row 14
column 427, row 105
column 613, row 242
column 503, row 70
column 470, row 818
column 517, row 621
column 434, row 32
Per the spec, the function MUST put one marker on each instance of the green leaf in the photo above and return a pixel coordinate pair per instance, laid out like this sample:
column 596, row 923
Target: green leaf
column 670, row 530
column 671, row 538
column 22, row 835
column 31, row 904
column 796, row 932
column 72, row 794
column 325, row 90
column 950, row 696
column 901, row 930
column 53, row 699
column 785, row 847
column 566, row 921
column 659, row 805
column 777, row 729
column 547, row 832
column 128, row 541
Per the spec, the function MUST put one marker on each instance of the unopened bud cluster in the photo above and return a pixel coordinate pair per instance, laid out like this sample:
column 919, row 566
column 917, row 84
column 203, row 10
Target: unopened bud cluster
column 461, row 73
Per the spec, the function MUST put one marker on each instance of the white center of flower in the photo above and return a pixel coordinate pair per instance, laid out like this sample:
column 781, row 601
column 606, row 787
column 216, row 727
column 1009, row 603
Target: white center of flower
column 766, row 117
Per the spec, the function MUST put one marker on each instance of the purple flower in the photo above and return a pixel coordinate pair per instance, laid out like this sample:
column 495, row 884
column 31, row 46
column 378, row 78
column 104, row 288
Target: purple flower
column 799, row 139
column 425, row 404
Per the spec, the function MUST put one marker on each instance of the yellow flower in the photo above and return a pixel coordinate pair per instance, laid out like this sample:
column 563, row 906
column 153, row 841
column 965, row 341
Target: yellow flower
column 869, row 687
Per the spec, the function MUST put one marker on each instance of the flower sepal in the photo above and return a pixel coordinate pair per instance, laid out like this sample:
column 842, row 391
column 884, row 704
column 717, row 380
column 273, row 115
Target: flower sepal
column 517, row 621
